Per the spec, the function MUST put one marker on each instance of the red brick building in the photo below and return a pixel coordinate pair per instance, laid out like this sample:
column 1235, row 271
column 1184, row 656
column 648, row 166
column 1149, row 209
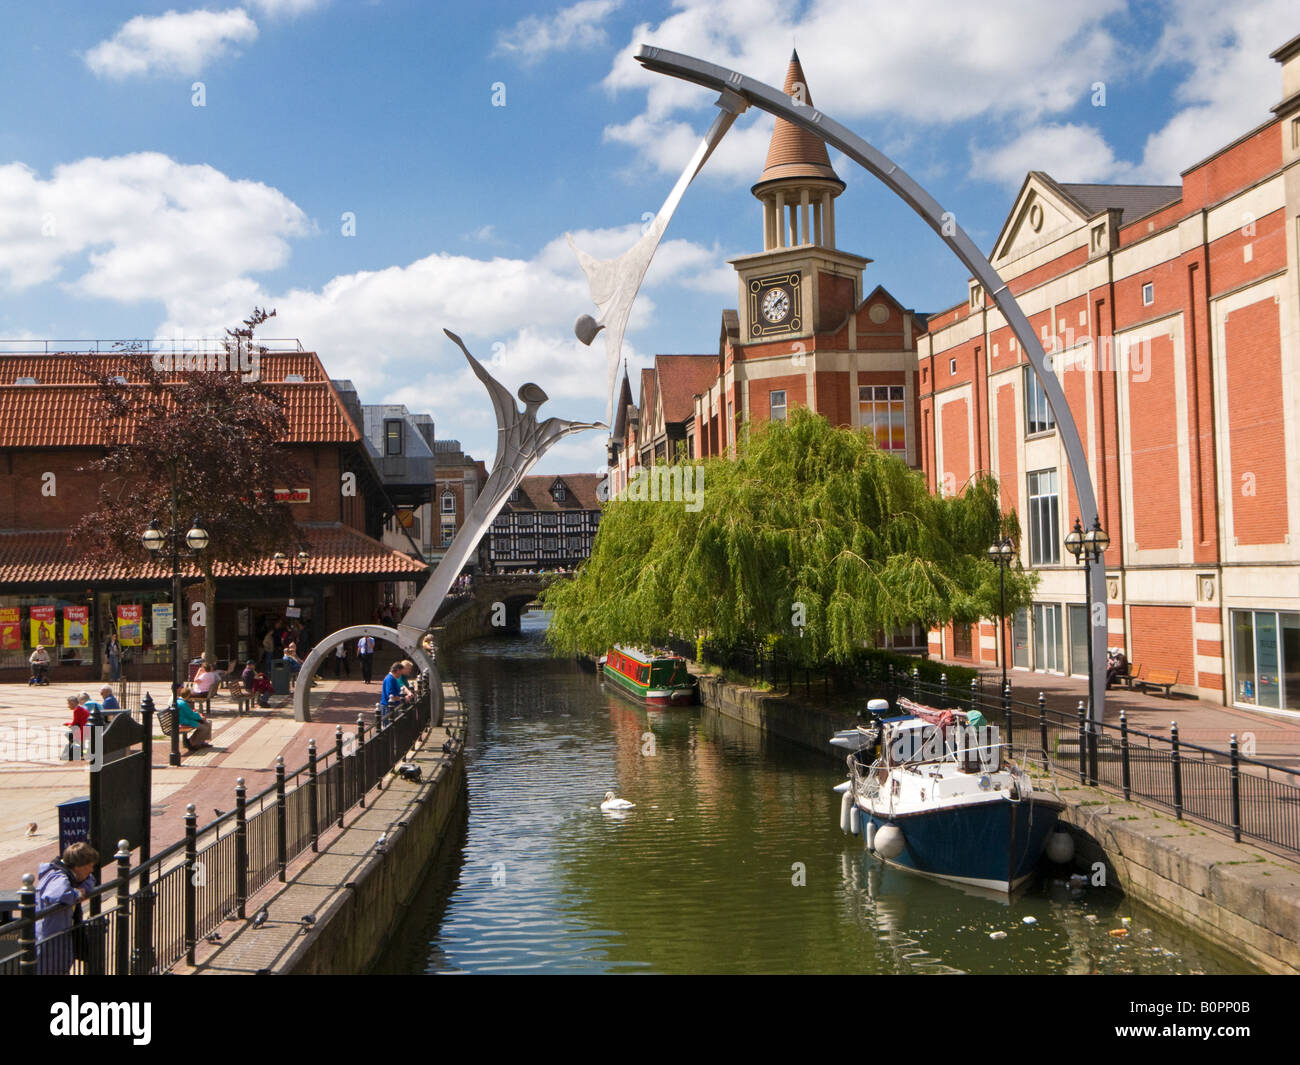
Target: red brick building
column 1171, row 313
column 804, row 334
column 48, row 434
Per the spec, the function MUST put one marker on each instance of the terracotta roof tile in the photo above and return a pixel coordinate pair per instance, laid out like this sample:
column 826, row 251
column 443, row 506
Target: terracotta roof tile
column 335, row 551
column 794, row 152
column 60, row 409
column 680, row 379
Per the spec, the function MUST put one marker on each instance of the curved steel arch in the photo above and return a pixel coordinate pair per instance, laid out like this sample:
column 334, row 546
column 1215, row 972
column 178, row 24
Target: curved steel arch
column 944, row 223
column 318, row 654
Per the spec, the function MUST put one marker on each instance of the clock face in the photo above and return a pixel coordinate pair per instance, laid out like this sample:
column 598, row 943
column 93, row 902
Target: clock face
column 776, row 305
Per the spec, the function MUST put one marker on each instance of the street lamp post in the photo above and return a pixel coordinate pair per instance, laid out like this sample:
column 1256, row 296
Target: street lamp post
column 1089, row 548
column 1001, row 555
column 196, row 539
column 293, row 562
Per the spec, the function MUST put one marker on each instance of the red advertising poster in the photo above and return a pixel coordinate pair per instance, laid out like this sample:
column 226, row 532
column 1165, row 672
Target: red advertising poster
column 11, row 629
column 42, row 619
column 129, row 632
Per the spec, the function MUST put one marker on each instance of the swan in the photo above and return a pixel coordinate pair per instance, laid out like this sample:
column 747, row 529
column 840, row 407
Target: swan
column 611, row 803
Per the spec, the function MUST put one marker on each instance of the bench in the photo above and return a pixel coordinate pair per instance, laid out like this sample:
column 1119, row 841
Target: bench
column 167, row 722
column 1133, row 676
column 243, row 699
column 1161, row 678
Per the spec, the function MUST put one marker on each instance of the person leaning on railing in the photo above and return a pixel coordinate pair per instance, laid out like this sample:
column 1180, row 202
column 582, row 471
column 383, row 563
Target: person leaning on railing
column 60, row 887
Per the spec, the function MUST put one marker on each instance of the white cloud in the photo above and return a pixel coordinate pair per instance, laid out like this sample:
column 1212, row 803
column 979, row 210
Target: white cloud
column 171, row 43
column 578, row 26
column 144, row 227
column 285, row 8
column 1067, row 152
column 1230, row 81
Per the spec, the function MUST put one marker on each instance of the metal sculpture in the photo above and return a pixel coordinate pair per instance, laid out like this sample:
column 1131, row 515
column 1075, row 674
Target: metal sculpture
column 776, row 102
column 521, row 441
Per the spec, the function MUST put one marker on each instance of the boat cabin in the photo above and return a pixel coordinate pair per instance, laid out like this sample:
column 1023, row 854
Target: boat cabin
column 657, row 672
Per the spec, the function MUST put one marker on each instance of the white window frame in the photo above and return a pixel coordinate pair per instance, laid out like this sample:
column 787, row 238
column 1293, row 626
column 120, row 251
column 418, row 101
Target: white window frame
column 1044, row 509
column 773, row 406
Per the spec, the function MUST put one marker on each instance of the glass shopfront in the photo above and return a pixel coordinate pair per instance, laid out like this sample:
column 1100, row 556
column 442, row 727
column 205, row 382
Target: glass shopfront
column 1266, row 659
column 65, row 627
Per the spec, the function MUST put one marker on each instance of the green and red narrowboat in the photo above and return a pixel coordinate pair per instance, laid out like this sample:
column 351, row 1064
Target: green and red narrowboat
column 658, row 679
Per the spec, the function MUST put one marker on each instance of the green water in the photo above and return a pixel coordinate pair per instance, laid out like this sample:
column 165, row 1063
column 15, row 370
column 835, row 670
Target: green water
column 731, row 862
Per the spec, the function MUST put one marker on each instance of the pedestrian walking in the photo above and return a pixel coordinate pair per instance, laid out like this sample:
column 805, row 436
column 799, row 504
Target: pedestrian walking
column 341, row 661
column 366, row 652
column 113, row 655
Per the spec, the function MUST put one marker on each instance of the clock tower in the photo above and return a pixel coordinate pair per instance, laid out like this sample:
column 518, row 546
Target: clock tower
column 799, row 284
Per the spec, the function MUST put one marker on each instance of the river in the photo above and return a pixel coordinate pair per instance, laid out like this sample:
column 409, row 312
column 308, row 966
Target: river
column 732, row 860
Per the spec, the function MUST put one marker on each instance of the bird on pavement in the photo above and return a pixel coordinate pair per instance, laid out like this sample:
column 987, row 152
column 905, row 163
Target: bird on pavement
column 31, row 829
column 307, row 920
column 215, row 937
column 261, row 917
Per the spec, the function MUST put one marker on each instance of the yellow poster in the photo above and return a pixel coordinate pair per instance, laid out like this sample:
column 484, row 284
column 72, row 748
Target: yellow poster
column 128, row 626
column 43, row 632
column 76, row 625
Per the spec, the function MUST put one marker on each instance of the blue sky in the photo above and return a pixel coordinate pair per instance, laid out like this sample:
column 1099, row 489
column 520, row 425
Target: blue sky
column 128, row 211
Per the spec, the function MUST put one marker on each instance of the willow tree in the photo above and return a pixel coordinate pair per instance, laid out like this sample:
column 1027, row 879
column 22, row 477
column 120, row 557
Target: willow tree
column 811, row 538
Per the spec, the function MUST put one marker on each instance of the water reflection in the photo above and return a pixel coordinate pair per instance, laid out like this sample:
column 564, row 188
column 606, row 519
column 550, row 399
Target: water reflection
column 731, row 861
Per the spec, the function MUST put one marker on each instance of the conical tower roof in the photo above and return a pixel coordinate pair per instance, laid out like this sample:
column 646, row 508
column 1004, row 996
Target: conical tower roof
column 794, row 152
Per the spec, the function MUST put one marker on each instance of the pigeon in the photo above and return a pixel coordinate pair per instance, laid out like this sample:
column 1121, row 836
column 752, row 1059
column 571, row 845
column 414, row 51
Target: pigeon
column 446, row 747
column 381, row 842
column 261, row 917
column 219, row 813
column 307, row 920
column 31, row 829
column 215, row 937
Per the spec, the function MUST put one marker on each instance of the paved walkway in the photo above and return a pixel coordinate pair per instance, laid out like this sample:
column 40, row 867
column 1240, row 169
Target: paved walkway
column 1276, row 737
column 33, row 780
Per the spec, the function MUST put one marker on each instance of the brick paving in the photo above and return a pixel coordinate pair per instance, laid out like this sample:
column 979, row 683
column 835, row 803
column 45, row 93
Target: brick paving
column 33, row 779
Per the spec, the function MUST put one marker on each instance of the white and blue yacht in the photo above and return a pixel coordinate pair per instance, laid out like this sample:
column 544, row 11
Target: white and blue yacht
column 937, row 792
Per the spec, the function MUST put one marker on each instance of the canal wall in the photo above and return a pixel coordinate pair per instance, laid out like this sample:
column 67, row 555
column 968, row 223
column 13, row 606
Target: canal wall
column 1233, row 894
column 353, row 931
column 360, row 884
column 778, row 715
column 466, row 622
column 1238, row 896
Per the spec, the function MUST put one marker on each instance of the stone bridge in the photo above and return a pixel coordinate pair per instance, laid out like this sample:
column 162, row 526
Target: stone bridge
column 499, row 599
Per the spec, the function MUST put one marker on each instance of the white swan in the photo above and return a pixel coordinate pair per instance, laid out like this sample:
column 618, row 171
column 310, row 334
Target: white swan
column 611, row 803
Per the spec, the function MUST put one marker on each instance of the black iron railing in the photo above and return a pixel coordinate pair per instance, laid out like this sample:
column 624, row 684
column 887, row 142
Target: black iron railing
column 149, row 918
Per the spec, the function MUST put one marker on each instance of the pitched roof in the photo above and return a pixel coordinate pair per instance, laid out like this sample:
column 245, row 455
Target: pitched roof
column 334, row 550
column 619, row 432
column 680, row 379
column 535, row 492
column 61, row 409
column 647, row 397
column 1132, row 201
column 794, row 152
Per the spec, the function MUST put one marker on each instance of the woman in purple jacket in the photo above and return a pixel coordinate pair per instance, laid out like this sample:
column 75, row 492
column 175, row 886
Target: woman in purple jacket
column 63, row 884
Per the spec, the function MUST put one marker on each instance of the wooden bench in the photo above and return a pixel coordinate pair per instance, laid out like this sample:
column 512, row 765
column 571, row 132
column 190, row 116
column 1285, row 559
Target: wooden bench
column 1133, row 676
column 1161, row 678
column 243, row 699
column 167, row 722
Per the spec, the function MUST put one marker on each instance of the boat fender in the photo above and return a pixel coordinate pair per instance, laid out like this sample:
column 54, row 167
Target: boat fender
column 871, row 835
column 888, row 841
column 1060, row 847
column 846, row 803
column 855, row 820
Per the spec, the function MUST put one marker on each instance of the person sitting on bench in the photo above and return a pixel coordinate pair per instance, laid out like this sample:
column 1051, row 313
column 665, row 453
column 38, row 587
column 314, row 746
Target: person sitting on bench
column 200, row 727
column 1116, row 665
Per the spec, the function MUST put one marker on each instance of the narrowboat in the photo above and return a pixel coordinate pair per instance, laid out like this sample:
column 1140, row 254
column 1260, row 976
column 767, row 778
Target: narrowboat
column 658, row 679
column 937, row 792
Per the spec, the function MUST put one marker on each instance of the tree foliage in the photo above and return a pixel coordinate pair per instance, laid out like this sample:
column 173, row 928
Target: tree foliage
column 206, row 443
column 808, row 523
